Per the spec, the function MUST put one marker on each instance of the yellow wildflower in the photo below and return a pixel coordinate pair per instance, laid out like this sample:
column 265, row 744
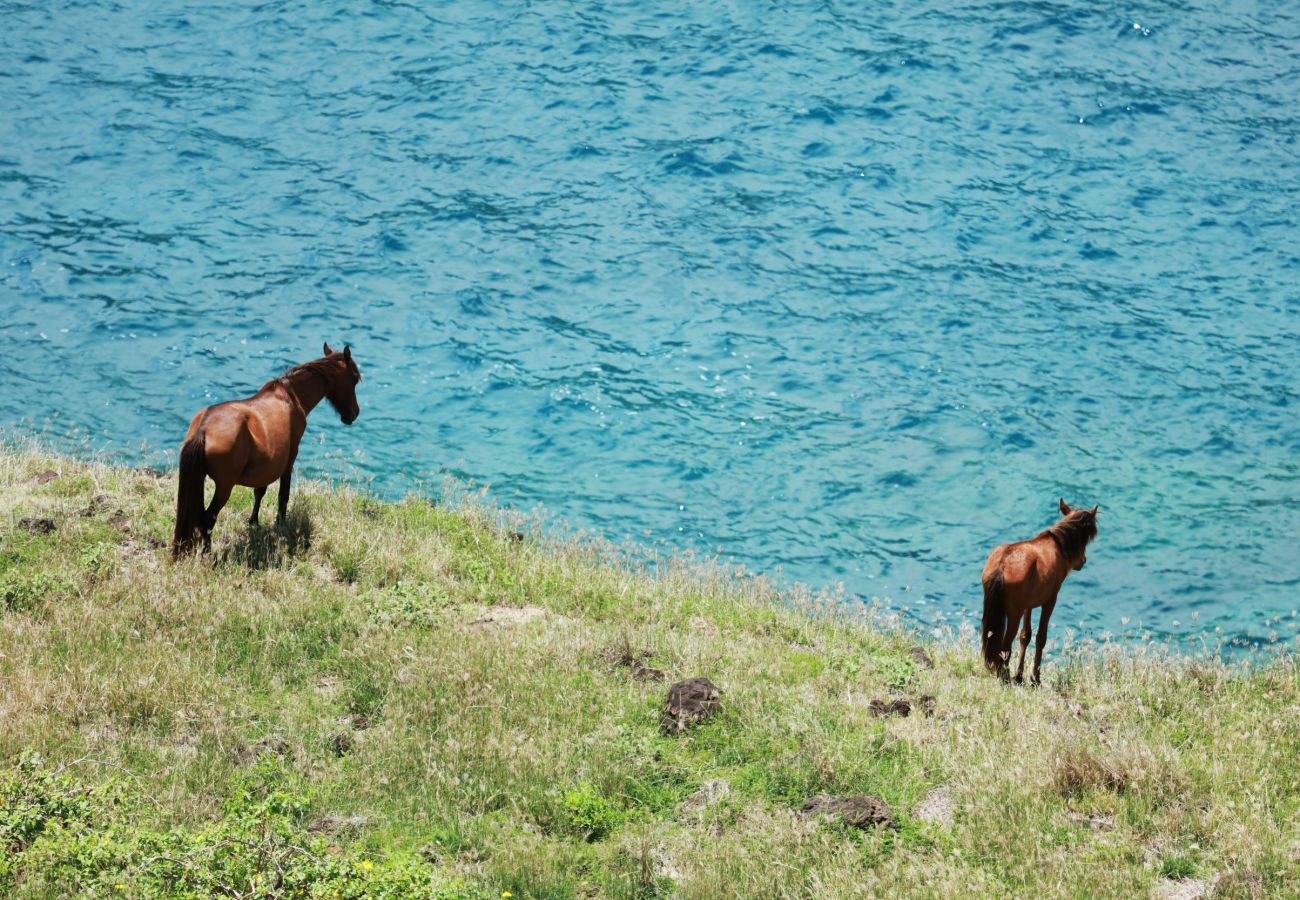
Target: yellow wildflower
column 367, row 865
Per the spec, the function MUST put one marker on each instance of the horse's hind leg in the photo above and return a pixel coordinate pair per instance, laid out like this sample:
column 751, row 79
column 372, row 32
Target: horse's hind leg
column 219, row 498
column 258, row 494
column 1004, row 658
column 1025, row 632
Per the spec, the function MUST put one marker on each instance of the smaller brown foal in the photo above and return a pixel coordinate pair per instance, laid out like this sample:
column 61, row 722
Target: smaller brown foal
column 1020, row 577
column 254, row 442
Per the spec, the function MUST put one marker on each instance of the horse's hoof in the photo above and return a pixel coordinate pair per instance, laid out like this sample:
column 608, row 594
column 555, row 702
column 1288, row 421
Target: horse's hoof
column 1019, row 679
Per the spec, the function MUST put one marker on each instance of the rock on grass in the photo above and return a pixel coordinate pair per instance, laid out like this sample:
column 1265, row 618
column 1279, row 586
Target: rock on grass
column 856, row 812
column 689, row 703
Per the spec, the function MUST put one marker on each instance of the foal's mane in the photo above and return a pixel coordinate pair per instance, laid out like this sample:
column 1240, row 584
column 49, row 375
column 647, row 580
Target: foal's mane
column 1073, row 532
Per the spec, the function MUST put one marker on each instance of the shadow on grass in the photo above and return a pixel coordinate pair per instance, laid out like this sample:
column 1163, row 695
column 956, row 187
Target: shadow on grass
column 269, row 547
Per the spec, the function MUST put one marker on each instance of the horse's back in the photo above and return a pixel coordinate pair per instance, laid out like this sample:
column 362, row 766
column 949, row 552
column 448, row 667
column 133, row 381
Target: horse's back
column 1016, row 562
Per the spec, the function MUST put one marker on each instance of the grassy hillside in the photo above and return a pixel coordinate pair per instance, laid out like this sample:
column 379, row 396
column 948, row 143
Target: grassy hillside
column 406, row 700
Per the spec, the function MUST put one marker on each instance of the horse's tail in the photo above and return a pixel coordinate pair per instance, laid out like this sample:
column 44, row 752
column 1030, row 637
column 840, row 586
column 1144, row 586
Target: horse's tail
column 994, row 622
column 189, row 495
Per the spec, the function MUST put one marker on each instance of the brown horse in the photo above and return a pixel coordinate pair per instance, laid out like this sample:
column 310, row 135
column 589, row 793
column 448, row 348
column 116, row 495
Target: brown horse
column 255, row 441
column 1019, row 577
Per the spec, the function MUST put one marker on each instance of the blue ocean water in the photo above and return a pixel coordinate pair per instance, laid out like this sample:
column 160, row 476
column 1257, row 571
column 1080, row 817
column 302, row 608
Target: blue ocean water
column 849, row 291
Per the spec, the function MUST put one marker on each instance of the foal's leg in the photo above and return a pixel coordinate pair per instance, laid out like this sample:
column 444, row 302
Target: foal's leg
column 1025, row 631
column 258, row 494
column 1043, row 619
column 219, row 498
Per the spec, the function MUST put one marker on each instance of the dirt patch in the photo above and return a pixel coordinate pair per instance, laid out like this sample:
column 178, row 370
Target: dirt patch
column 937, row 808
column 689, row 703
column 856, row 812
column 45, row 477
column 921, row 657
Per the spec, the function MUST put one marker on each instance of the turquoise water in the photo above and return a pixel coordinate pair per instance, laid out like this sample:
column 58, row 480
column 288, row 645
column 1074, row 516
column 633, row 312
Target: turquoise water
column 852, row 291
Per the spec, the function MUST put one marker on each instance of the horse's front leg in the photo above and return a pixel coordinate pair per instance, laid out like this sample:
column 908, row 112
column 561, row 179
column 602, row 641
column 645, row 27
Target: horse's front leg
column 282, row 509
column 1043, row 619
column 1025, row 632
column 258, row 494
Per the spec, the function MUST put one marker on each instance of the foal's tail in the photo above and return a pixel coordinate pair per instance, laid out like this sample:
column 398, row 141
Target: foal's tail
column 994, row 622
column 189, row 495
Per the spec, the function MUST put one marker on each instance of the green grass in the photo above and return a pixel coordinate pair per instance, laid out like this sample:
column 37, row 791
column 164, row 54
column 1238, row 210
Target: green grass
column 452, row 698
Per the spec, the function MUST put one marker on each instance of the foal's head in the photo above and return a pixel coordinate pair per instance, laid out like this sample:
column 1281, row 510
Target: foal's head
column 1074, row 532
column 342, row 377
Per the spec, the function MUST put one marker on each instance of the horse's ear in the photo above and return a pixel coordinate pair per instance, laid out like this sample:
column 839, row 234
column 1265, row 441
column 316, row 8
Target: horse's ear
column 347, row 352
column 1094, row 510
column 1065, row 509
column 328, row 351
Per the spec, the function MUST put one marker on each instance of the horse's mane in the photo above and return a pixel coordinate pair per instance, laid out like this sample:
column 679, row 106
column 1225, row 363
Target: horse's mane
column 1073, row 532
column 320, row 367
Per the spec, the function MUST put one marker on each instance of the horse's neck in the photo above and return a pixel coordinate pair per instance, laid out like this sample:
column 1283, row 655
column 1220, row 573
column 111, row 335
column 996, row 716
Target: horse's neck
column 1064, row 563
column 308, row 387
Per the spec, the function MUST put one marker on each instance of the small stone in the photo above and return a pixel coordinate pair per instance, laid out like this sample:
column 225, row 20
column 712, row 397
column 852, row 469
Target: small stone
column 335, row 824
column 892, row 708
column 511, row 615
column 709, row 793
column 355, row 721
column 1185, row 889
column 38, row 524
column 856, row 812
column 1095, row 822
column 636, row 662
column 936, row 808
column 689, row 703
column 341, row 743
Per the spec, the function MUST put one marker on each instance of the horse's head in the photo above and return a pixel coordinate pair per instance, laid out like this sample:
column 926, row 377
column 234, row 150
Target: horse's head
column 343, row 379
column 1081, row 525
